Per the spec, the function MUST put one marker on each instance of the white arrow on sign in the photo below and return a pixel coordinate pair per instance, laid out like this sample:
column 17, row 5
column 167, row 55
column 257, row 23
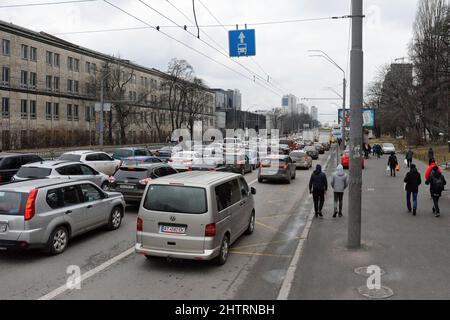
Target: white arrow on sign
column 241, row 37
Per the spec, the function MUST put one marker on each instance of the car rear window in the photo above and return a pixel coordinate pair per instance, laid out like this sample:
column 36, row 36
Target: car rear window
column 33, row 172
column 176, row 199
column 131, row 173
column 12, row 203
column 70, row 157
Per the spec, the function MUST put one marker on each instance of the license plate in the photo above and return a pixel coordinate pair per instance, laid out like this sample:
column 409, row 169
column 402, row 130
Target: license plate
column 3, row 228
column 126, row 186
column 172, row 230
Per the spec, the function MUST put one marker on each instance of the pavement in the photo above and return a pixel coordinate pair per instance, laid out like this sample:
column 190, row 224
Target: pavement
column 413, row 252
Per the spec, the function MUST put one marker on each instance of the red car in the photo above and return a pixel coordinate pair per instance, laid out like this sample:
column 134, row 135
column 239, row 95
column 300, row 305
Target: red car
column 345, row 160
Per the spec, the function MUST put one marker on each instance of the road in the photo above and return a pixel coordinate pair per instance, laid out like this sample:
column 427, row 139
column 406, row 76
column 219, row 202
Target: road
column 255, row 270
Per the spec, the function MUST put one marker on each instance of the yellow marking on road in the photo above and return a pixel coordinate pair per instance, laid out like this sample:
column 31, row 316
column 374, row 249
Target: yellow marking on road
column 266, row 243
column 260, row 254
column 271, row 228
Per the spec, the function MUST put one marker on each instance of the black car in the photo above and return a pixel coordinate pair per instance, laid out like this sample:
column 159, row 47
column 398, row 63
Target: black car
column 10, row 163
column 132, row 180
column 312, row 152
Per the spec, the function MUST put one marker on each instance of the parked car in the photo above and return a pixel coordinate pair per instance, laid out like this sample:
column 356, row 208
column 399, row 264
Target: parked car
column 388, row 148
column 195, row 215
column 48, row 213
column 312, row 152
column 237, row 163
column 301, row 158
column 62, row 170
column 10, row 163
column 127, row 153
column 164, row 154
column 184, row 160
column 131, row 181
column 99, row 161
column 277, row 167
column 345, row 160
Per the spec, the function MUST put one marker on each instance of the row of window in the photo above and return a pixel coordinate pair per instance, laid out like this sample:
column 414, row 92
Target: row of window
column 28, row 110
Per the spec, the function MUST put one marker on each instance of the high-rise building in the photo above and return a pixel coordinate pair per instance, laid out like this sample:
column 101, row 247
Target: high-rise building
column 228, row 99
column 314, row 113
column 303, row 108
column 289, row 103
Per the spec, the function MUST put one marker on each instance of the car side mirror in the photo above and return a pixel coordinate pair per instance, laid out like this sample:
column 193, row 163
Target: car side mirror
column 253, row 191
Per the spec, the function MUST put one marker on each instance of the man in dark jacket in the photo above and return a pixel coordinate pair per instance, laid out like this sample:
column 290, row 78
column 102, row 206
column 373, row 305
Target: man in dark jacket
column 318, row 185
column 392, row 163
column 413, row 181
column 430, row 155
column 437, row 185
column 409, row 157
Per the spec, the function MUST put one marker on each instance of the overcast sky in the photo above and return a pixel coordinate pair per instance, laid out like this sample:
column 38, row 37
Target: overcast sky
column 282, row 50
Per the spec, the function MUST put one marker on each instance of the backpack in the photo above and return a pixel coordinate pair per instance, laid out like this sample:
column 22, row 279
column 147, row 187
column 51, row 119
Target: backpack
column 438, row 184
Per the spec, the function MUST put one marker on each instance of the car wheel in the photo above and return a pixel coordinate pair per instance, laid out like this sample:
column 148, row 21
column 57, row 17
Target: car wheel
column 224, row 250
column 251, row 225
column 105, row 186
column 115, row 219
column 58, row 241
column 260, row 180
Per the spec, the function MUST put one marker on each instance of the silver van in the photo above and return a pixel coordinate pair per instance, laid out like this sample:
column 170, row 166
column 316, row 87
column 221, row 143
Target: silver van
column 194, row 215
column 47, row 213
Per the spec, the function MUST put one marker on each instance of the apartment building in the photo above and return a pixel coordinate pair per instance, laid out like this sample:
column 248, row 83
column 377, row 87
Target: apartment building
column 49, row 88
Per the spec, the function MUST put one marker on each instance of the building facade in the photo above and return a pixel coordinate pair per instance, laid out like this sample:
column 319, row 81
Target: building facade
column 49, row 89
column 315, row 113
column 289, row 103
column 228, row 99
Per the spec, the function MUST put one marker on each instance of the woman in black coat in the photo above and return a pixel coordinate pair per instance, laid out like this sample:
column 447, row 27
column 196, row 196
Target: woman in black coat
column 413, row 181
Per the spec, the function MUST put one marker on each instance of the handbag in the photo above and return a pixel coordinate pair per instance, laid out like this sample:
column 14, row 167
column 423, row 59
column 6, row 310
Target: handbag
column 397, row 168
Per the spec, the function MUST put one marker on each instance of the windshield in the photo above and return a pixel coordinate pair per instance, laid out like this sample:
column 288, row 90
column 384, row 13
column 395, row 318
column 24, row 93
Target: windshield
column 33, row 172
column 176, row 199
column 12, row 203
column 70, row 157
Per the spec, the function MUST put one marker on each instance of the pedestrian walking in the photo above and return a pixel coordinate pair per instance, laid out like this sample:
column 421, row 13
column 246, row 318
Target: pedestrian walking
column 339, row 182
column 409, row 157
column 437, row 185
column 318, row 185
column 392, row 164
column 412, row 181
column 430, row 154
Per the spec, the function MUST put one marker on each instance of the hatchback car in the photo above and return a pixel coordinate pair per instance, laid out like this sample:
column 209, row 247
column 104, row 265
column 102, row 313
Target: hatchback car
column 97, row 160
column 301, row 158
column 47, row 213
column 195, row 215
column 10, row 163
column 131, row 181
column 277, row 167
column 62, row 170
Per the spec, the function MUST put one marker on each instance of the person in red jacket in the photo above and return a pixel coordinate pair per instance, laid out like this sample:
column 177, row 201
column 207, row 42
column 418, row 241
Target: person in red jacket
column 430, row 169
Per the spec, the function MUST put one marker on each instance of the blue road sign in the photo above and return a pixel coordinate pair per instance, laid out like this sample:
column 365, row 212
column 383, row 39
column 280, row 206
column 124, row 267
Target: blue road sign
column 242, row 43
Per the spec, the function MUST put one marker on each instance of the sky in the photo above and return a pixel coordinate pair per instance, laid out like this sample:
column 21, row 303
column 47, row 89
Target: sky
column 281, row 49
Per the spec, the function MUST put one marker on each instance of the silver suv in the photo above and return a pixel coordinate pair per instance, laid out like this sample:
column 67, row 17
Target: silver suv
column 47, row 213
column 62, row 170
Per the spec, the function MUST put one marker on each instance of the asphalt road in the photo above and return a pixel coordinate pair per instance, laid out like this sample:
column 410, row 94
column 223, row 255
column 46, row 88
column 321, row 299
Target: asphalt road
column 255, row 269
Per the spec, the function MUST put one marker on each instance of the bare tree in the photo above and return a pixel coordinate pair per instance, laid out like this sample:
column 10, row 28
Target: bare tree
column 196, row 103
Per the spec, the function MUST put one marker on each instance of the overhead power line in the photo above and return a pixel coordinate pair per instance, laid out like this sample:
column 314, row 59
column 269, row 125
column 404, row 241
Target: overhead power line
column 43, row 3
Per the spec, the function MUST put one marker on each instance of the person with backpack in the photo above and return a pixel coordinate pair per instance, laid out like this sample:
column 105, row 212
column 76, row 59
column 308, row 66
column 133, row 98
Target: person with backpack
column 392, row 164
column 437, row 185
column 409, row 157
column 339, row 182
column 318, row 185
column 412, row 181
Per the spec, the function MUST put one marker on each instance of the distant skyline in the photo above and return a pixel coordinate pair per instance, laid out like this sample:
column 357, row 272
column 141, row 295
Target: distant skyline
column 282, row 49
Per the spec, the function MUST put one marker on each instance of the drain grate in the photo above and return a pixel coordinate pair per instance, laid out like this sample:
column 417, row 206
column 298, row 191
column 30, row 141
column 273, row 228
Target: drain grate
column 362, row 271
column 382, row 293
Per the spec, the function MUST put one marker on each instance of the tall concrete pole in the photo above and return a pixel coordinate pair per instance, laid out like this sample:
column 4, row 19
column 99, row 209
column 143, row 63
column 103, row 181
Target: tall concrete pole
column 101, row 125
column 356, row 130
column 344, row 102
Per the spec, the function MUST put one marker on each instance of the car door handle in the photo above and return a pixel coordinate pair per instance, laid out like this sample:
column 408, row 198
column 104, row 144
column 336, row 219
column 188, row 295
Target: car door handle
column 68, row 211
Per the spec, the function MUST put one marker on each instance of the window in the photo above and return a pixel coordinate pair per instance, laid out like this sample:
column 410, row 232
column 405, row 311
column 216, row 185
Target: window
column 76, row 65
column 87, row 114
column 48, row 82
column 94, row 68
column 6, row 47
column 56, row 83
column 56, row 111
column 33, row 54
column 24, row 109
column 53, row 198
column 24, row 52
column 76, row 86
column 146, row 83
column 88, row 67
column 87, row 171
column 69, row 85
column 49, row 57
column 33, row 80
column 245, row 190
column 5, row 76
column 48, row 111
column 56, row 59
column 33, row 109
column 69, row 112
column 70, row 196
column 70, row 63
column 5, row 108
column 75, row 112
column 91, row 193
column 227, row 195
column 177, row 199
column 24, row 79
column 133, row 78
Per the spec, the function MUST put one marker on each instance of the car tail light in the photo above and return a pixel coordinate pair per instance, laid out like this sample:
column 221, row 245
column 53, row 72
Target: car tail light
column 284, row 166
column 210, row 230
column 265, row 165
column 306, row 158
column 30, row 207
column 139, row 225
column 145, row 181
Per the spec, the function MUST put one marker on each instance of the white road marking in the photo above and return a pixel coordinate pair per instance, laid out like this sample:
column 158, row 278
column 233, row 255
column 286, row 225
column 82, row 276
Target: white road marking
column 285, row 289
column 57, row 292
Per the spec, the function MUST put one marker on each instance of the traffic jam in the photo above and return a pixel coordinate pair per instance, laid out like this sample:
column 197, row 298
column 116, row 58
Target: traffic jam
column 192, row 197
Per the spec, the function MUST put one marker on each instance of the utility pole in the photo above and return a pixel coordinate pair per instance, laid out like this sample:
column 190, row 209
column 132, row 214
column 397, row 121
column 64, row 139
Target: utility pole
column 344, row 101
column 102, row 104
column 356, row 132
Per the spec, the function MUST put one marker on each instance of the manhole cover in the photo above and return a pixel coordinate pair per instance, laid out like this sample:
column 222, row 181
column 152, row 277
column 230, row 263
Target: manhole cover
column 362, row 271
column 382, row 293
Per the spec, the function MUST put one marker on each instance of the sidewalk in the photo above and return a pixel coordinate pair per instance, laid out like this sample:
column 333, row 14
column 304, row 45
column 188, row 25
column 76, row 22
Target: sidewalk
column 413, row 251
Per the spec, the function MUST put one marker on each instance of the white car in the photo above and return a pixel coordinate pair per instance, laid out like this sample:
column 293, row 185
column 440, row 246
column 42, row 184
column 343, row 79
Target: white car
column 98, row 160
column 183, row 161
column 388, row 148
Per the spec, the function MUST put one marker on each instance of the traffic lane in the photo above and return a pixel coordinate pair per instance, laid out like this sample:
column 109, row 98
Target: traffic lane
column 134, row 277
column 19, row 269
